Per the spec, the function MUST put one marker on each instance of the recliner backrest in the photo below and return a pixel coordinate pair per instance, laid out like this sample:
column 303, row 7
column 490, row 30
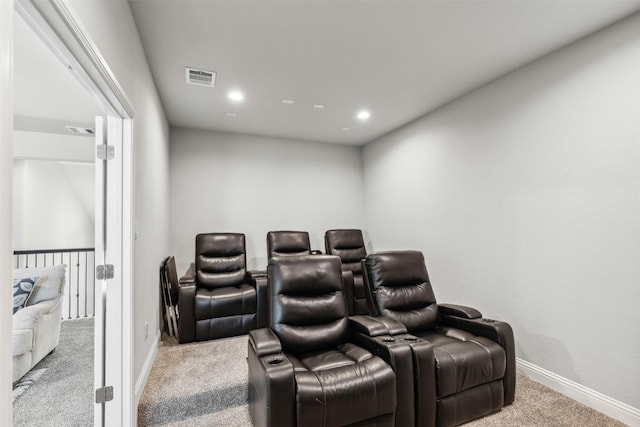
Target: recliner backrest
column 306, row 298
column 288, row 243
column 220, row 260
column 348, row 244
column 398, row 287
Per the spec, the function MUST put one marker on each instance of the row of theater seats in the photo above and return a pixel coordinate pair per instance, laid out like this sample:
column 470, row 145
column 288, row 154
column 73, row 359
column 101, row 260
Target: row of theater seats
column 315, row 361
column 219, row 297
column 347, row 244
column 410, row 362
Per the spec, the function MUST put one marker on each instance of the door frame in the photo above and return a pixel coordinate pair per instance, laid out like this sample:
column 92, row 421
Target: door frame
column 58, row 26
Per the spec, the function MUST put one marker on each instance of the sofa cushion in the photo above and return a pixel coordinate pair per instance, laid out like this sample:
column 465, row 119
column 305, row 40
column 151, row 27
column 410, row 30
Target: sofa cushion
column 22, row 341
column 50, row 284
column 22, row 289
column 28, row 317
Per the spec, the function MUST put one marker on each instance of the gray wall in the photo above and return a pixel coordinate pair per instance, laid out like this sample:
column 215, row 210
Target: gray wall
column 53, row 205
column 53, row 191
column 525, row 198
column 223, row 182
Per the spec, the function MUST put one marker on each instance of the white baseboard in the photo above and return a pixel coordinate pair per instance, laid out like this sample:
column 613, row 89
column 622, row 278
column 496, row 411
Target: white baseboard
column 591, row 398
column 146, row 368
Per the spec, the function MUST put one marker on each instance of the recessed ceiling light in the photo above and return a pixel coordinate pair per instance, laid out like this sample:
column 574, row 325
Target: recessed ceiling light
column 288, row 101
column 318, row 106
column 232, row 114
column 363, row 114
column 345, row 129
column 235, row 95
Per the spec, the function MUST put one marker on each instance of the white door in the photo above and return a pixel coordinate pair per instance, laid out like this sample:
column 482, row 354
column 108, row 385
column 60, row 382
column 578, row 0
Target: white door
column 109, row 385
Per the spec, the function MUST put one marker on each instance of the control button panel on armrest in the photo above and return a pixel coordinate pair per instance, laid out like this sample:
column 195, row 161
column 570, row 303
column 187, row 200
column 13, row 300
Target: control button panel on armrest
column 404, row 338
column 485, row 320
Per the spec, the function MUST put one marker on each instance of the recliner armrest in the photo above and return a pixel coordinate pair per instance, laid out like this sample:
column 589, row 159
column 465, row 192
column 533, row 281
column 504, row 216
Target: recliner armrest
column 271, row 381
column 409, row 357
column 459, row 311
column 347, row 285
column 262, row 298
column 376, row 326
column 264, row 342
column 186, row 307
column 499, row 332
column 189, row 276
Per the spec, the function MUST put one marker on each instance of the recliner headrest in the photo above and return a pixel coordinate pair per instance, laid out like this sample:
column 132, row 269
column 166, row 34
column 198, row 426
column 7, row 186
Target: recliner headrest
column 285, row 243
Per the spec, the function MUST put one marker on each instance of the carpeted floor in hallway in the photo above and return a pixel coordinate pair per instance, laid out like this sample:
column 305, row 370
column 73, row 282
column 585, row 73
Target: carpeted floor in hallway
column 63, row 394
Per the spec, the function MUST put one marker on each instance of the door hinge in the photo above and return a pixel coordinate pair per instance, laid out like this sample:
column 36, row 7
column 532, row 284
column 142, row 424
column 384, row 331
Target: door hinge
column 105, row 152
column 104, row 394
column 104, row 272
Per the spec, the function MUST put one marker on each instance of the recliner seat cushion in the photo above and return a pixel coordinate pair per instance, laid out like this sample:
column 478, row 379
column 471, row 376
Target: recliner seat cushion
column 464, row 360
column 341, row 387
column 222, row 302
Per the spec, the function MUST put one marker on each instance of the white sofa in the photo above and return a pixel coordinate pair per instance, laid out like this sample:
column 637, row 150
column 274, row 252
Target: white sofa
column 36, row 327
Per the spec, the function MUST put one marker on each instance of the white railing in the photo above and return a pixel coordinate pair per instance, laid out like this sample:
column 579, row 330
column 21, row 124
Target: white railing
column 80, row 278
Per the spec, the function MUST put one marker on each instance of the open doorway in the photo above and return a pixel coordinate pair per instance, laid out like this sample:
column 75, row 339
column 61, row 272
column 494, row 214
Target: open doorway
column 53, row 226
column 112, row 387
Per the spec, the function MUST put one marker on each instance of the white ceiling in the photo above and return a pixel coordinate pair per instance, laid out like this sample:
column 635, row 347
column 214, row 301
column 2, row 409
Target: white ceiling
column 47, row 96
column 398, row 59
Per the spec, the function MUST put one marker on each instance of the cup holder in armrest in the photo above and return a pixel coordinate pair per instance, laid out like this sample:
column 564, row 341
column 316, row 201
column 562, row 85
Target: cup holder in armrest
column 410, row 338
column 275, row 361
column 388, row 339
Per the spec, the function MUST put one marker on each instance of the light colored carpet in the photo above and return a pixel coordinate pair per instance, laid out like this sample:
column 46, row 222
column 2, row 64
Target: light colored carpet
column 205, row 384
column 197, row 384
column 63, row 394
column 539, row 406
column 26, row 381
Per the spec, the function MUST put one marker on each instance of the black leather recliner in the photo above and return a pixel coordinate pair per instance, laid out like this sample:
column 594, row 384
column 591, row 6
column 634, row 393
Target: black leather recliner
column 474, row 372
column 288, row 243
column 304, row 370
column 348, row 244
column 218, row 296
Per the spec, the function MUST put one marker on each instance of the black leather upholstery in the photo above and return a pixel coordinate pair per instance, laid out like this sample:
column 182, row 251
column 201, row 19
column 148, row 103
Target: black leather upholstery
column 221, row 299
column 287, row 243
column 304, row 371
column 348, row 244
column 474, row 357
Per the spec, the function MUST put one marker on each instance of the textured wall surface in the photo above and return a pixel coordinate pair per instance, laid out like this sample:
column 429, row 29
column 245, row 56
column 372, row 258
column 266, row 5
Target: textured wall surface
column 525, row 197
column 224, row 182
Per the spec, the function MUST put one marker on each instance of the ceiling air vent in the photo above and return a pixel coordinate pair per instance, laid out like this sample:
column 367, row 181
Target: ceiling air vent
column 80, row 131
column 200, row 77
